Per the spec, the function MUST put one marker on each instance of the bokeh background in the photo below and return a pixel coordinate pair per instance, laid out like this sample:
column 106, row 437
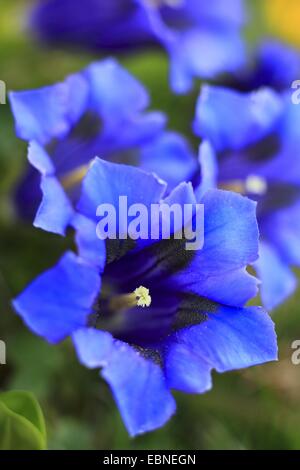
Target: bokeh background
column 254, row 409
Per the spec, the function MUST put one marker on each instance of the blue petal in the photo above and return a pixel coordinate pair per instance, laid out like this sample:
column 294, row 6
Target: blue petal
column 39, row 159
column 170, row 157
column 116, row 25
column 278, row 64
column 282, row 229
column 278, row 281
column 230, row 229
column 48, row 112
column 55, row 211
column 235, row 287
column 229, row 12
column 105, row 182
column 229, row 339
column 204, row 53
column 114, row 92
column 121, row 108
column 182, row 195
column 209, row 169
column 93, row 347
column 138, row 384
column 231, row 120
column 185, row 371
column 231, row 232
column 90, row 247
column 60, row 300
column 217, row 271
column 139, row 130
column 290, row 133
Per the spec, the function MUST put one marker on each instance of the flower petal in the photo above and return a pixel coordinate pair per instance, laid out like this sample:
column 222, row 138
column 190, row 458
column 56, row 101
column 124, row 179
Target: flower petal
column 137, row 383
column 55, row 211
column 105, row 182
column 111, row 100
column 231, row 232
column 114, row 26
column 189, row 57
column 48, row 112
column 209, row 169
column 278, row 64
column 231, row 120
column 39, row 158
column 277, row 280
column 60, row 300
column 230, row 244
column 170, row 157
column 282, row 229
column 229, row 339
column 91, row 248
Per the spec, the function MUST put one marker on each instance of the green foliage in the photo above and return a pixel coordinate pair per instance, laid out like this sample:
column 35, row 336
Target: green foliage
column 21, row 422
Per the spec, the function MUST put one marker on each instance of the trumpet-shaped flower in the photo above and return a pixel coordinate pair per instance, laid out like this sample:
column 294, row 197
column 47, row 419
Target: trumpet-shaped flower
column 252, row 147
column 151, row 315
column 99, row 111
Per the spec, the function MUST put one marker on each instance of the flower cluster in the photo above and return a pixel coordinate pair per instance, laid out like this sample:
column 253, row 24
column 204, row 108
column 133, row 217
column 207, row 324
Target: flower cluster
column 151, row 315
column 254, row 138
column 90, row 114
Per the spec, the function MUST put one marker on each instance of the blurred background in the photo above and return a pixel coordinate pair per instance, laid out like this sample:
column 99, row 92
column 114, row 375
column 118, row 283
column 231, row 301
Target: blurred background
column 254, row 409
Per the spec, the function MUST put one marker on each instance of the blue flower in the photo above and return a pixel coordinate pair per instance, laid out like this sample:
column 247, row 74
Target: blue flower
column 252, row 146
column 98, row 112
column 202, row 39
column 194, row 320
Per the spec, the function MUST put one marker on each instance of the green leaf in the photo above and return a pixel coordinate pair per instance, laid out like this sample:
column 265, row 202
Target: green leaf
column 21, row 422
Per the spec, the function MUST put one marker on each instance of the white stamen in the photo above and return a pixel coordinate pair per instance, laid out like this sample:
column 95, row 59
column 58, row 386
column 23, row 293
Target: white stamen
column 256, row 185
column 143, row 297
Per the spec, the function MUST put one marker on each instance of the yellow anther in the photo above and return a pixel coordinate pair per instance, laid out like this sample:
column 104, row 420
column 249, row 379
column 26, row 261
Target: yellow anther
column 74, row 177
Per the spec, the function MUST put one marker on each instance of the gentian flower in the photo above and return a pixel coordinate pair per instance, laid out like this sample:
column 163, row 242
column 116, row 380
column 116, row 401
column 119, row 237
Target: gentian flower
column 151, row 315
column 99, row 111
column 202, row 39
column 252, row 145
